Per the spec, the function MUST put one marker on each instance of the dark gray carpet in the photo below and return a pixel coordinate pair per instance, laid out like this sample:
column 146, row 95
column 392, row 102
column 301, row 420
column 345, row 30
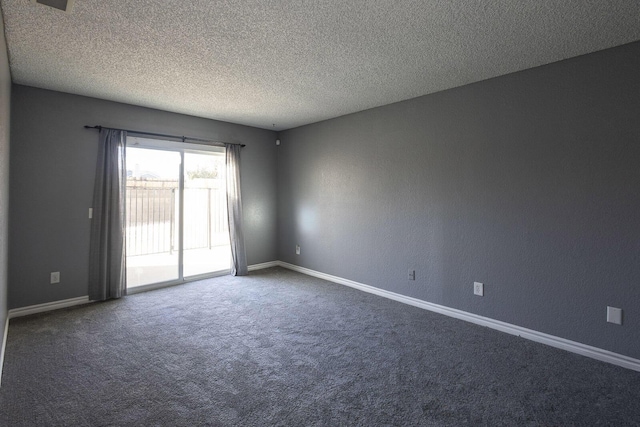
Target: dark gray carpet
column 281, row 348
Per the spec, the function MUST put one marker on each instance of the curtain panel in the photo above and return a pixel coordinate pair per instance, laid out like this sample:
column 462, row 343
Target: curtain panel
column 234, row 209
column 107, row 257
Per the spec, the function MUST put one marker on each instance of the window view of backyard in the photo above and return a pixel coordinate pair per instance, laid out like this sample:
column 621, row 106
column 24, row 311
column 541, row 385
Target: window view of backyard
column 153, row 223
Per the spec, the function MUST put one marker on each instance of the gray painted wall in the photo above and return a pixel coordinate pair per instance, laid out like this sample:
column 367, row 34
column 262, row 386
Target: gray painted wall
column 529, row 183
column 5, row 104
column 52, row 173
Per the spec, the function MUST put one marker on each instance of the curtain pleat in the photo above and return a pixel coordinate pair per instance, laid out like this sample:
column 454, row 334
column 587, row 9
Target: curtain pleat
column 107, row 257
column 234, row 209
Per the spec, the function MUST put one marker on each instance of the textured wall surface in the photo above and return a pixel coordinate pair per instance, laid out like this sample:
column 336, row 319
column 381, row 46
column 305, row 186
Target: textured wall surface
column 527, row 182
column 5, row 104
column 52, row 172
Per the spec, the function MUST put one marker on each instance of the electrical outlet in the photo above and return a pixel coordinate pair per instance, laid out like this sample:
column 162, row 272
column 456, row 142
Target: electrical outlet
column 55, row 277
column 297, row 249
column 478, row 289
column 614, row 315
column 412, row 275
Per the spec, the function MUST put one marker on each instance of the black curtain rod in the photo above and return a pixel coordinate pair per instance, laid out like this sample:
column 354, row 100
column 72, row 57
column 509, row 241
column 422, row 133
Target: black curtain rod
column 183, row 138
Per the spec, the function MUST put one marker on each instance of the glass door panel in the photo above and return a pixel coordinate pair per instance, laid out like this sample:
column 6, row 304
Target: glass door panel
column 206, row 233
column 152, row 216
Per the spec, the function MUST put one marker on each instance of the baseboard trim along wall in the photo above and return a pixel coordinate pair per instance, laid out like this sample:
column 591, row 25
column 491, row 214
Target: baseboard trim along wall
column 55, row 305
column 4, row 347
column 47, row 306
column 263, row 265
column 553, row 341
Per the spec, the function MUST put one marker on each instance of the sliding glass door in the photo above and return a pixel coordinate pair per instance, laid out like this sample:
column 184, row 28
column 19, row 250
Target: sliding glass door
column 176, row 227
column 152, row 216
column 206, row 232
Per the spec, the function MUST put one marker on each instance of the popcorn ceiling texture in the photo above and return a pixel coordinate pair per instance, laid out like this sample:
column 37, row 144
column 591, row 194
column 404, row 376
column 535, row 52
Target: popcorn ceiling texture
column 289, row 63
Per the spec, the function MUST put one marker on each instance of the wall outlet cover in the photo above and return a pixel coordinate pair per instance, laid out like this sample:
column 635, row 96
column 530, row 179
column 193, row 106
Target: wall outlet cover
column 55, row 277
column 478, row 289
column 297, row 249
column 614, row 315
column 412, row 275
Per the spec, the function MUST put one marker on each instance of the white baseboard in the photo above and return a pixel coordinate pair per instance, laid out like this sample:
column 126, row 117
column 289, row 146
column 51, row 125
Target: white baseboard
column 4, row 346
column 263, row 265
column 47, row 306
column 553, row 341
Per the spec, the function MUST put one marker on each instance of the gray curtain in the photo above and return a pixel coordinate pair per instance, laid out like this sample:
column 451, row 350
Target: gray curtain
column 234, row 209
column 107, row 258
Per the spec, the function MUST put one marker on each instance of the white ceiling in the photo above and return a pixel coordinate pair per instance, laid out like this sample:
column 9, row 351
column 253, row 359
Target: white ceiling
column 280, row 64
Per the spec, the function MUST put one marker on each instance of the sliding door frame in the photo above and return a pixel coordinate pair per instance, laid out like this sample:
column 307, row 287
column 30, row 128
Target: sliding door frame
column 180, row 148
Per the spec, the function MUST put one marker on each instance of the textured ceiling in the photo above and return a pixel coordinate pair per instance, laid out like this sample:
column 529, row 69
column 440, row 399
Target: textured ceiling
column 291, row 63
